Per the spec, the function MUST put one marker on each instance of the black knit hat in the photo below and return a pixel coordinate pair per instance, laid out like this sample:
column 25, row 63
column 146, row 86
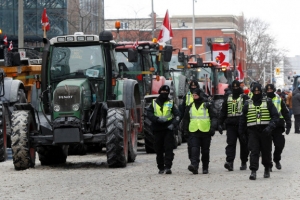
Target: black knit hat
column 165, row 88
column 256, row 86
column 270, row 86
column 197, row 91
column 235, row 83
column 194, row 83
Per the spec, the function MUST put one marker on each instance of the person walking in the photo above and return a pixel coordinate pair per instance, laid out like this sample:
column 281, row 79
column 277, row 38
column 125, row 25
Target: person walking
column 164, row 115
column 296, row 108
column 284, row 122
column 200, row 123
column 259, row 118
column 230, row 114
column 289, row 103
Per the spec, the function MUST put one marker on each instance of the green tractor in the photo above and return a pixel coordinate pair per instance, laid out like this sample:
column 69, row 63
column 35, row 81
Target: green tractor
column 80, row 99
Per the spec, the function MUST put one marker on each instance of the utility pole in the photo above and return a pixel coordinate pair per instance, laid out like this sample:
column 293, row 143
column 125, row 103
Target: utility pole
column 271, row 70
column 153, row 22
column 21, row 28
column 194, row 27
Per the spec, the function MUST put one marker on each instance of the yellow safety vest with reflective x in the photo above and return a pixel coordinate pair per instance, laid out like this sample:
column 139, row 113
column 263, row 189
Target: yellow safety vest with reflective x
column 258, row 115
column 234, row 106
column 199, row 119
column 189, row 98
column 166, row 111
column 277, row 103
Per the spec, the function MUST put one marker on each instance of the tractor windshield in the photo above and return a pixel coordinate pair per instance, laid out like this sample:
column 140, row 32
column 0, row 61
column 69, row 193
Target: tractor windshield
column 74, row 61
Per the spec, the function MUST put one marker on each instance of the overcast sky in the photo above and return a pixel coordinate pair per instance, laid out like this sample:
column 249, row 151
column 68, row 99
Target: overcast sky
column 282, row 15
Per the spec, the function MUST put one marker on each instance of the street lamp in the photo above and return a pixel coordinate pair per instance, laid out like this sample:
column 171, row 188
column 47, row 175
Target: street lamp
column 194, row 26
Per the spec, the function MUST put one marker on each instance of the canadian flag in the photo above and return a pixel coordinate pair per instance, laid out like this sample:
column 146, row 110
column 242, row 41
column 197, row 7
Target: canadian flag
column 10, row 46
column 241, row 73
column 221, row 53
column 165, row 33
column 45, row 21
column 5, row 40
column 135, row 44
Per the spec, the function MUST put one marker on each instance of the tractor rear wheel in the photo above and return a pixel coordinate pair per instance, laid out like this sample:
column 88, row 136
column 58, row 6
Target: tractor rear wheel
column 149, row 137
column 23, row 153
column 116, row 137
column 52, row 155
column 3, row 135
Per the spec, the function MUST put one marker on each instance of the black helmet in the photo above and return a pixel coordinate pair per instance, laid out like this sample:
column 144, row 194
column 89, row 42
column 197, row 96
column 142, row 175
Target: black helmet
column 270, row 86
column 235, row 83
column 194, row 83
column 256, row 86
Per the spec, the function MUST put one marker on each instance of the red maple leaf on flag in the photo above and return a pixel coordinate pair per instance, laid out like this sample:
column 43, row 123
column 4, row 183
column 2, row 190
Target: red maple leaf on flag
column 45, row 21
column 10, row 46
column 135, row 44
column 165, row 33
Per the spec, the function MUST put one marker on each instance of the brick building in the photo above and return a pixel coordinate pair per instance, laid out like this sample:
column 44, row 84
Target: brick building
column 218, row 28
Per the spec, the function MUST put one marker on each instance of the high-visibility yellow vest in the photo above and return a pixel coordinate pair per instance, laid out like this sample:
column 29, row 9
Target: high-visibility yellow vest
column 258, row 115
column 250, row 95
column 234, row 106
column 199, row 119
column 166, row 111
column 189, row 98
column 277, row 103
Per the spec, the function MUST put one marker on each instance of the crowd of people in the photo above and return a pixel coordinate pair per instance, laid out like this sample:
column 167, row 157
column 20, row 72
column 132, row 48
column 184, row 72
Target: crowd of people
column 257, row 117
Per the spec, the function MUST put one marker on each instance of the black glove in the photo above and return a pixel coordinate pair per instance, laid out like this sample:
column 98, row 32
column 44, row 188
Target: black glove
column 220, row 129
column 267, row 130
column 171, row 127
column 161, row 120
column 287, row 131
column 212, row 131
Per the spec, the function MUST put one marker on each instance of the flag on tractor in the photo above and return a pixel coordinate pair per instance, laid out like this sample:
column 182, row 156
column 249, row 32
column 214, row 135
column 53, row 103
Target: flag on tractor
column 221, row 53
column 5, row 40
column 241, row 73
column 165, row 33
column 45, row 21
column 135, row 44
column 10, row 46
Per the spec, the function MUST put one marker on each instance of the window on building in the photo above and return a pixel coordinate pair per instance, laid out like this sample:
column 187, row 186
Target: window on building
column 198, row 41
column 184, row 42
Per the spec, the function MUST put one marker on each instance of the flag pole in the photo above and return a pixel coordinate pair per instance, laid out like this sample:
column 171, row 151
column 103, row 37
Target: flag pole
column 45, row 36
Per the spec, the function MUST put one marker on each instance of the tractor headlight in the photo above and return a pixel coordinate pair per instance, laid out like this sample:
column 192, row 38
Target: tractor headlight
column 56, row 108
column 75, row 107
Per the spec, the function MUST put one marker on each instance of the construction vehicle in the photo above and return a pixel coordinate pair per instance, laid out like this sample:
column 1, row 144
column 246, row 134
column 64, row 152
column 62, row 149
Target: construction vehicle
column 148, row 63
column 78, row 99
column 296, row 81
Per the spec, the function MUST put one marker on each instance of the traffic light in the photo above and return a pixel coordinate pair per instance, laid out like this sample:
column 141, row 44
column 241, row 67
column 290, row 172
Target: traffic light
column 277, row 71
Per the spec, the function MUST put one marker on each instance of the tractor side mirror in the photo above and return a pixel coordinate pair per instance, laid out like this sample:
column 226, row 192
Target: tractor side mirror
column 132, row 55
column 168, row 53
column 180, row 56
column 199, row 61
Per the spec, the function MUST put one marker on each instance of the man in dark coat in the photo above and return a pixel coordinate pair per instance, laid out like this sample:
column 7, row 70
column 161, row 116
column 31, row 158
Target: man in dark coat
column 230, row 114
column 164, row 115
column 259, row 118
column 200, row 123
column 284, row 122
column 296, row 108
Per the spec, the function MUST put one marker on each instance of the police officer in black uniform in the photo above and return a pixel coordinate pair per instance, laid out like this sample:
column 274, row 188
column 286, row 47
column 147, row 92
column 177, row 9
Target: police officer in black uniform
column 284, row 122
column 164, row 116
column 200, row 122
column 230, row 114
column 259, row 118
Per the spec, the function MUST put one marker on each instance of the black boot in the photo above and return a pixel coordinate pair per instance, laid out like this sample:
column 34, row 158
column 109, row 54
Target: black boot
column 253, row 175
column 267, row 172
column 243, row 166
column 278, row 165
column 161, row 171
column 193, row 169
column 204, row 171
column 168, row 171
column 229, row 166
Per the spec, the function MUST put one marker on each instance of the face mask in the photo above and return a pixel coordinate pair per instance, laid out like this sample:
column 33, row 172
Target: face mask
column 270, row 94
column 192, row 90
column 164, row 96
column 257, row 97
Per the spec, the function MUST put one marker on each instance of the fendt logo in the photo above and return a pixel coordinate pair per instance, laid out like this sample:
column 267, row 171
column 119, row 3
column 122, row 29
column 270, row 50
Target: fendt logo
column 65, row 97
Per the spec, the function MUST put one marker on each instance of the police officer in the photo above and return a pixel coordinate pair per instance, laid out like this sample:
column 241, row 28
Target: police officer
column 230, row 114
column 200, row 123
column 164, row 116
column 284, row 122
column 259, row 117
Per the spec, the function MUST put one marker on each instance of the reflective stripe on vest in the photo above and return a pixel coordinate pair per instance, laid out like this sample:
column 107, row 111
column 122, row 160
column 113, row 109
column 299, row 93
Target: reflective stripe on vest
column 234, row 106
column 199, row 119
column 258, row 115
column 277, row 103
column 167, row 107
column 189, row 99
